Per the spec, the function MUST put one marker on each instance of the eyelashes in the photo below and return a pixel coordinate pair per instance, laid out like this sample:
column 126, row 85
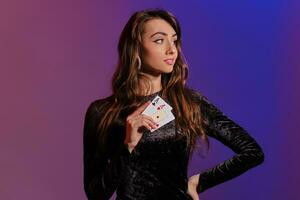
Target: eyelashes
column 156, row 41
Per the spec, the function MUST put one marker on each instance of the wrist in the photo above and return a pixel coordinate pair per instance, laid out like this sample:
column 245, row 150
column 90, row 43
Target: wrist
column 194, row 180
column 130, row 145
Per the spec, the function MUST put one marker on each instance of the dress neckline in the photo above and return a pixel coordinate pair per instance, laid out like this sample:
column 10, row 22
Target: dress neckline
column 153, row 94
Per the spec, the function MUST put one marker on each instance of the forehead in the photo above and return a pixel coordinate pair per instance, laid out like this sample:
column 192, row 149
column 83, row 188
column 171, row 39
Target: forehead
column 158, row 25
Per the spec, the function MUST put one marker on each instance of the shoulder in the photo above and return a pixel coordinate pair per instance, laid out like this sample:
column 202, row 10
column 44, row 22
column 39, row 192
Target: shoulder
column 198, row 96
column 99, row 106
column 207, row 106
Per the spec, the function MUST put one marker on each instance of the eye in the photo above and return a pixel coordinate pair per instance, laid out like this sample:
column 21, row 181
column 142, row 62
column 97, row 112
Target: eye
column 156, row 41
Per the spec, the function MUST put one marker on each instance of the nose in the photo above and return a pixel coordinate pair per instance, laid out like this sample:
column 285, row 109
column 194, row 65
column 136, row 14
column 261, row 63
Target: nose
column 171, row 48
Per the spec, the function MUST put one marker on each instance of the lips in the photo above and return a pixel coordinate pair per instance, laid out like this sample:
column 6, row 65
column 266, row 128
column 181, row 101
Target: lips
column 169, row 61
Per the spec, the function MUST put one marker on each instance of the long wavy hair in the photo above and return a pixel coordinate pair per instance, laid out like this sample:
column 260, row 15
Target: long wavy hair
column 127, row 79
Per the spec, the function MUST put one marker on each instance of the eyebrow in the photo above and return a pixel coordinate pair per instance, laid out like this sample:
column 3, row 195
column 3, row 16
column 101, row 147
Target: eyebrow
column 162, row 33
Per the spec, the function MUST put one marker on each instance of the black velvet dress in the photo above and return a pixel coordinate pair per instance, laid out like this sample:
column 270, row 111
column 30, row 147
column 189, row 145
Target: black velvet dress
column 157, row 167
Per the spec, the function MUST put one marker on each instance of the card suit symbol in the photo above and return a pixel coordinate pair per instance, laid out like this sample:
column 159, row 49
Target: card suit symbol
column 155, row 101
column 160, row 107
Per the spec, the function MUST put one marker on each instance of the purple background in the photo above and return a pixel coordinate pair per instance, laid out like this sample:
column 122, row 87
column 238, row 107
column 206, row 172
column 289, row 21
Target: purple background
column 56, row 56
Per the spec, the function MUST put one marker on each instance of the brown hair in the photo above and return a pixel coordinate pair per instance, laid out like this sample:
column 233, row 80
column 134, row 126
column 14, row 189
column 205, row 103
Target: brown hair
column 127, row 78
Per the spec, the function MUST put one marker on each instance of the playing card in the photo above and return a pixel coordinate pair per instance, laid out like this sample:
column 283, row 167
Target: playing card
column 159, row 111
column 156, row 104
column 162, row 117
column 160, row 103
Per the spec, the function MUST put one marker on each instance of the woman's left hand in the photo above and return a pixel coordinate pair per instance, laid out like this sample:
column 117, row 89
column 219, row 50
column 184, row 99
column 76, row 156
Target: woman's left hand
column 192, row 185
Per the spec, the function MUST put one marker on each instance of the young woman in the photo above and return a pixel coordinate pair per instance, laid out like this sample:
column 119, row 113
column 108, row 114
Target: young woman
column 120, row 151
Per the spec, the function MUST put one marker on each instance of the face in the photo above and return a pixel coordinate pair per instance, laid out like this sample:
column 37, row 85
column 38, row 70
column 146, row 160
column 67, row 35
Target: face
column 159, row 47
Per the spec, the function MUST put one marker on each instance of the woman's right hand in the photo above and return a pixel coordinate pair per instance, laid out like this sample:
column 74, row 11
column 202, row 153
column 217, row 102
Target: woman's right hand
column 134, row 122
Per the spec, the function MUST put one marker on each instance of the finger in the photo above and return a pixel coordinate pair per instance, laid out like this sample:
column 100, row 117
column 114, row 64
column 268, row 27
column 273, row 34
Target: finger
column 137, row 121
column 150, row 122
column 140, row 109
column 141, row 120
column 145, row 124
column 194, row 196
column 149, row 118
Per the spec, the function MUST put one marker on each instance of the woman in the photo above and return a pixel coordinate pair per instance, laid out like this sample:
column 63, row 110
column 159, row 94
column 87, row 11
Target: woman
column 122, row 153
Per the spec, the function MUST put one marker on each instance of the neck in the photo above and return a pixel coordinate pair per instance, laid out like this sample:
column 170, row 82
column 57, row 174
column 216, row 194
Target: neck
column 155, row 83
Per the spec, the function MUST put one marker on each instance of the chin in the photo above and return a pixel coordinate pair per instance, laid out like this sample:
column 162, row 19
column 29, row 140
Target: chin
column 165, row 69
column 168, row 69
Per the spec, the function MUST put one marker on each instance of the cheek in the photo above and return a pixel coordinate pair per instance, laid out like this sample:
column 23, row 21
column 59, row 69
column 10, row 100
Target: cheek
column 153, row 54
column 156, row 54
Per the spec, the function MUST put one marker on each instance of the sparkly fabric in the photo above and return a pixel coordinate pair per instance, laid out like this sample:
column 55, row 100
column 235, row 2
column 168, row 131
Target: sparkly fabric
column 157, row 167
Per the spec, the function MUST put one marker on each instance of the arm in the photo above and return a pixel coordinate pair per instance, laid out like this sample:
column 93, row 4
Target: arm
column 101, row 167
column 248, row 152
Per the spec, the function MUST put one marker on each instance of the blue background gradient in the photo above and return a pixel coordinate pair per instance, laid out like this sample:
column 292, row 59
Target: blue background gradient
column 57, row 56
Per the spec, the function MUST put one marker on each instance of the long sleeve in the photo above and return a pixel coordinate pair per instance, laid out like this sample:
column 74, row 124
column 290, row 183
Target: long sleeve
column 101, row 167
column 248, row 152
